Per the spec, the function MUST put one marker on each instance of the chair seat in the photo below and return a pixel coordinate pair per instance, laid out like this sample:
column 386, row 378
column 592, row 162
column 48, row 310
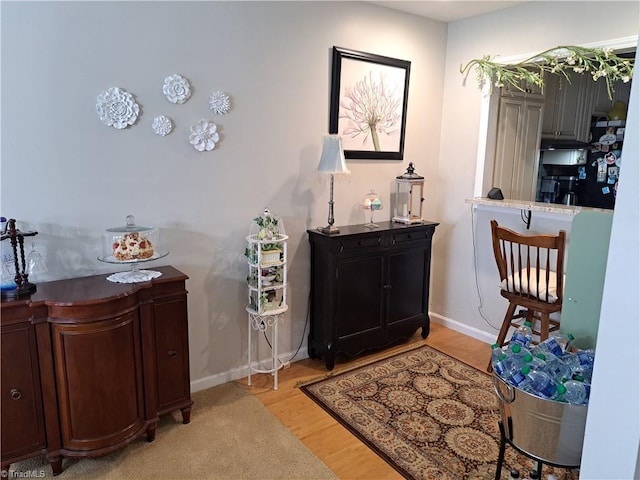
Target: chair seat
column 525, row 283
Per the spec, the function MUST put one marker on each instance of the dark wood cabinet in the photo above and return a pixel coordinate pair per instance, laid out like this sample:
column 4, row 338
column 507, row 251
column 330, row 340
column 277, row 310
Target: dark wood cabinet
column 369, row 287
column 95, row 363
column 22, row 426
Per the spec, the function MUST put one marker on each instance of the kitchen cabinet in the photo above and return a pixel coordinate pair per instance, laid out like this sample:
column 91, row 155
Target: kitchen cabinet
column 599, row 103
column 566, row 109
column 95, row 364
column 369, row 287
column 517, row 146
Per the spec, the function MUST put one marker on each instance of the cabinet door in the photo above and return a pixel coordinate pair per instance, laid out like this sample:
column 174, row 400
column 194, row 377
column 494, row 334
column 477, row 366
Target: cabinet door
column 565, row 107
column 172, row 353
column 21, row 401
column 601, row 104
column 517, row 147
column 408, row 272
column 359, row 298
column 99, row 381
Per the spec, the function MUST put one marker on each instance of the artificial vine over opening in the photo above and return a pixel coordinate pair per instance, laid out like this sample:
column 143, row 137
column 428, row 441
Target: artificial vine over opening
column 559, row 60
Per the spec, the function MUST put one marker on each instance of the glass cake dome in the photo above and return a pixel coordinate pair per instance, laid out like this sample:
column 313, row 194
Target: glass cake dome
column 132, row 244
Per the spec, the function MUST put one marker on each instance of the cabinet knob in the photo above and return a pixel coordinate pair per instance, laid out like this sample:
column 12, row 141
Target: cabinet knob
column 387, row 287
column 172, row 353
column 15, row 394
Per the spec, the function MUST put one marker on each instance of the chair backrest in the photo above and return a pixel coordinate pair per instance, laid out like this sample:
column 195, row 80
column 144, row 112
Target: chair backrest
column 531, row 266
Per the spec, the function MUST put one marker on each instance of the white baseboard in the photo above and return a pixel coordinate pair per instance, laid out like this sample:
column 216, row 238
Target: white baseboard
column 463, row 328
column 241, row 372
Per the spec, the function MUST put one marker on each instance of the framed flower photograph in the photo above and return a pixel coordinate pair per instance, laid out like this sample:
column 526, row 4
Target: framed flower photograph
column 368, row 106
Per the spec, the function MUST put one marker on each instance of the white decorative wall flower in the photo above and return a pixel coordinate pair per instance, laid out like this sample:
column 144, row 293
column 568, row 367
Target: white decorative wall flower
column 117, row 108
column 176, row 88
column 219, row 102
column 204, row 136
column 162, row 125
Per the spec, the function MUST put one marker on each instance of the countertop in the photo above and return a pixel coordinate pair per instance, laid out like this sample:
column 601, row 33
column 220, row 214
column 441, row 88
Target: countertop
column 535, row 206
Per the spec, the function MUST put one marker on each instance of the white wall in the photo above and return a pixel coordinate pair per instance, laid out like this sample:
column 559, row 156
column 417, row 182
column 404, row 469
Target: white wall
column 528, row 28
column 69, row 176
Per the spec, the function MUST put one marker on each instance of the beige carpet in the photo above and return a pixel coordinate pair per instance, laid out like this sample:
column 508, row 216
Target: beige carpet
column 231, row 436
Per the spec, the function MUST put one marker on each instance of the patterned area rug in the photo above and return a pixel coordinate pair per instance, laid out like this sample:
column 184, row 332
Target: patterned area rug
column 425, row 413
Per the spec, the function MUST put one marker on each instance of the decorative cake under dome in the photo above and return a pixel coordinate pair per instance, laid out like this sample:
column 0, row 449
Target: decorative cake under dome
column 132, row 244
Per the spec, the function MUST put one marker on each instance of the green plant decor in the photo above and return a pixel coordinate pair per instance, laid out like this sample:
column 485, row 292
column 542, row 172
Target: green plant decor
column 559, row 60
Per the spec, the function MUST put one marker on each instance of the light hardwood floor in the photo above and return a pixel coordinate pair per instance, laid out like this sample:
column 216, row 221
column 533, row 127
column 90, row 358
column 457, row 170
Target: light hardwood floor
column 341, row 451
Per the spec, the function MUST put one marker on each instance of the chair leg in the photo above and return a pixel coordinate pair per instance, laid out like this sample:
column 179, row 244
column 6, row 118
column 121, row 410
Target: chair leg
column 544, row 326
column 506, row 323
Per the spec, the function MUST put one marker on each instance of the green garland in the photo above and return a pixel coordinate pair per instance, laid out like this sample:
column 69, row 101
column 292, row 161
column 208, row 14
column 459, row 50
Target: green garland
column 559, row 60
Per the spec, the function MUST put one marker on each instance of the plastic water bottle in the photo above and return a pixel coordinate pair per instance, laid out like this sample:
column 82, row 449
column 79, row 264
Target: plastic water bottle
column 496, row 351
column 562, row 339
column 518, row 353
column 581, row 362
column 522, row 335
column 538, row 382
column 502, row 366
column 517, row 377
column 557, row 368
column 538, row 362
column 576, row 392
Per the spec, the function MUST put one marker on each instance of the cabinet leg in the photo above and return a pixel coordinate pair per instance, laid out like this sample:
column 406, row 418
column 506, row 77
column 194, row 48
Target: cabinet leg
column 425, row 331
column 330, row 361
column 186, row 415
column 151, row 433
column 56, row 464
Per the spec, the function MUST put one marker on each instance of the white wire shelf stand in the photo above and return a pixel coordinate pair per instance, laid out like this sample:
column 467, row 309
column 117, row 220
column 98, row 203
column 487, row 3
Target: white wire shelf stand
column 267, row 300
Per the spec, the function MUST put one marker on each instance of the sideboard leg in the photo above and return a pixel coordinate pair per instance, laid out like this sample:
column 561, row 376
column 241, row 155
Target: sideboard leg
column 186, row 415
column 151, row 433
column 56, row 464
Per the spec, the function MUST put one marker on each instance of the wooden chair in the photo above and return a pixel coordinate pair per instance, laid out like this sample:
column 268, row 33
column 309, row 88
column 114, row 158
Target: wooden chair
column 531, row 271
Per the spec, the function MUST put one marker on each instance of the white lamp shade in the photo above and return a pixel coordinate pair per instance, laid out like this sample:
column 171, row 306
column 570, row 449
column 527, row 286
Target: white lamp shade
column 332, row 158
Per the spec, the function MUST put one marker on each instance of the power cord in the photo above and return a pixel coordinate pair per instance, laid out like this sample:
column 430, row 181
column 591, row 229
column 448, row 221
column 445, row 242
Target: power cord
column 475, row 270
column 306, row 324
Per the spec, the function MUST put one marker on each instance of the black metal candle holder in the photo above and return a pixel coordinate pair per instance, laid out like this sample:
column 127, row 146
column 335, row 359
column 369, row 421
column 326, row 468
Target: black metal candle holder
column 16, row 237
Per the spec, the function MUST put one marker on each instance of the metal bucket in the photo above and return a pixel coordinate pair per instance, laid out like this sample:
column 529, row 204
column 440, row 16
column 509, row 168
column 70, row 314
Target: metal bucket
column 549, row 430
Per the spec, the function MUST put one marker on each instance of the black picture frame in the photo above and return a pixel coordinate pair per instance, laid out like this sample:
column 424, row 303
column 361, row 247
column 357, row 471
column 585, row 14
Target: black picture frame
column 357, row 80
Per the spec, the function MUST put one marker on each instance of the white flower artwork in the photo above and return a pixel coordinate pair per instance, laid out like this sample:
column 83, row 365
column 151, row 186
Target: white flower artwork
column 204, row 136
column 117, row 108
column 176, row 88
column 219, row 102
column 162, row 125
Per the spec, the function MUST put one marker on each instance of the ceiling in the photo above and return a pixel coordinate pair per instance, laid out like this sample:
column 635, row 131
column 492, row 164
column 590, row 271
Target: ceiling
column 448, row 10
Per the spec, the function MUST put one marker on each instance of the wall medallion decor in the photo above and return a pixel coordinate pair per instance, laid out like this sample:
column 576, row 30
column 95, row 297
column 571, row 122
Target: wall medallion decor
column 117, row 108
column 204, row 136
column 219, row 102
column 162, row 125
column 176, row 88
column 368, row 106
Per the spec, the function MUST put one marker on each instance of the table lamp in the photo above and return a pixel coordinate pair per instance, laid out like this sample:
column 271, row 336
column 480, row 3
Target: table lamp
column 331, row 162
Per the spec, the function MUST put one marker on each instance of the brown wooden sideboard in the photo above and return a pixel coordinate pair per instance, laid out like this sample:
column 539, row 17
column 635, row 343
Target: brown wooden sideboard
column 88, row 365
column 369, row 287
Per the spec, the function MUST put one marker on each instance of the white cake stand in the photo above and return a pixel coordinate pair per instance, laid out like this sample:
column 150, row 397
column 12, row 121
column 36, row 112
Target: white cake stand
column 134, row 275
